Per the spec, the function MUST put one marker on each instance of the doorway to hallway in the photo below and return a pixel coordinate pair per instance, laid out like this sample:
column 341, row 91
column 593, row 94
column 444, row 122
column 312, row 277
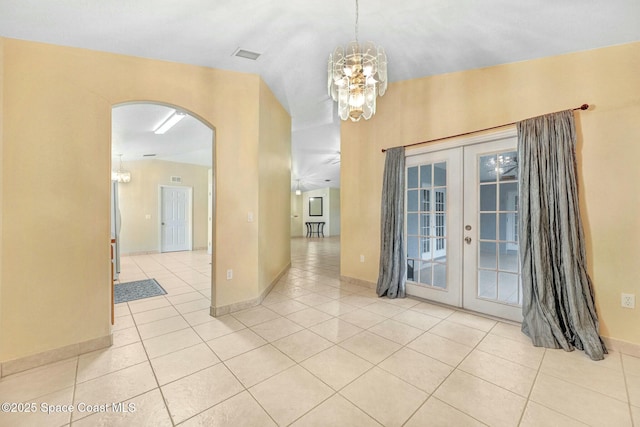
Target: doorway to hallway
column 163, row 173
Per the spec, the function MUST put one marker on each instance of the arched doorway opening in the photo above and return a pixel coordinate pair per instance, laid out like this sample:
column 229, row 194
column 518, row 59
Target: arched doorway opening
column 163, row 198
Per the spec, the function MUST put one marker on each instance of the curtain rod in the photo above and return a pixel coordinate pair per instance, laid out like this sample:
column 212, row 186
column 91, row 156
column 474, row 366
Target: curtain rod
column 582, row 107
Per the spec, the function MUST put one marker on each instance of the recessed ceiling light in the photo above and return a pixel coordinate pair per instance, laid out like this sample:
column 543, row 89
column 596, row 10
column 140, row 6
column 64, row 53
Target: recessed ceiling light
column 247, row 54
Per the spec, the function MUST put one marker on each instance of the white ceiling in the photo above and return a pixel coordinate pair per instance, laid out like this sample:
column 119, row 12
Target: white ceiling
column 421, row 38
column 132, row 136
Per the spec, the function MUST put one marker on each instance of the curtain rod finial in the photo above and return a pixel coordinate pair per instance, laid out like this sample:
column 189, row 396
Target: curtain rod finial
column 584, row 107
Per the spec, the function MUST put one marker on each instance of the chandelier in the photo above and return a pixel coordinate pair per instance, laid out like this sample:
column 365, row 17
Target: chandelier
column 356, row 76
column 121, row 175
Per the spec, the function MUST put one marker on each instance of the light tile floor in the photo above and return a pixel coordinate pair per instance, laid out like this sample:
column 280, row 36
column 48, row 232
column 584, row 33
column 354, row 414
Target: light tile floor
column 317, row 352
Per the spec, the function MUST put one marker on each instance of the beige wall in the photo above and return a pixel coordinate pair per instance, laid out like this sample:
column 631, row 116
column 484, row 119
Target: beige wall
column 56, row 136
column 275, row 185
column 140, row 198
column 608, row 153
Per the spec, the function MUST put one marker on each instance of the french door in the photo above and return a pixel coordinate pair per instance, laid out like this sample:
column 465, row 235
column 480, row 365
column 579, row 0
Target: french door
column 433, row 249
column 462, row 227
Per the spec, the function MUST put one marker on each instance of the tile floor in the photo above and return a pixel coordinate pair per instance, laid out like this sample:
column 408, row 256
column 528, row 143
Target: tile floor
column 317, row 352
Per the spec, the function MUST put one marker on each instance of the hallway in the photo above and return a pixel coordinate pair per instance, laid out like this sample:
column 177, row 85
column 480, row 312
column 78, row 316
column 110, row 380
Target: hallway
column 317, row 352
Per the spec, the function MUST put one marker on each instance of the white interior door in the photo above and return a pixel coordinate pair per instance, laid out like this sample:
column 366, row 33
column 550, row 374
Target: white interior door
column 461, row 227
column 175, row 219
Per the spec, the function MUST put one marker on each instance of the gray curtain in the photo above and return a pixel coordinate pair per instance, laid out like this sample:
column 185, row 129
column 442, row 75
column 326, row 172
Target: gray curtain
column 391, row 278
column 558, row 304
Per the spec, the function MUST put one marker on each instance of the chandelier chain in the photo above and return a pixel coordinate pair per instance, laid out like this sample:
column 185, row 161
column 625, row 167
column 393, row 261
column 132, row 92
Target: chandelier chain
column 357, row 21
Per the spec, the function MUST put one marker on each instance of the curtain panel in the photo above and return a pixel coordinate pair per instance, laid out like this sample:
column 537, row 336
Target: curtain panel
column 391, row 277
column 558, row 302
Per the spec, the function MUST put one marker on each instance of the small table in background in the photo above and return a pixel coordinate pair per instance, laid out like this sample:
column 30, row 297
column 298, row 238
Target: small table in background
column 315, row 228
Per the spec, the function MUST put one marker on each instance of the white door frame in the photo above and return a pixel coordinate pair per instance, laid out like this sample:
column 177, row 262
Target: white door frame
column 189, row 214
column 455, row 248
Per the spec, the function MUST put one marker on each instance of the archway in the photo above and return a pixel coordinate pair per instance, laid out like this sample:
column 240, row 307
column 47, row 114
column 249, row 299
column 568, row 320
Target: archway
column 147, row 164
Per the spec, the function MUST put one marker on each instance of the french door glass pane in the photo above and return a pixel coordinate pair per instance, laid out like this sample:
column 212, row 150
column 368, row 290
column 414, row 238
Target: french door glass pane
column 440, row 275
column 425, row 200
column 412, row 224
column 425, row 273
column 487, row 255
column 440, row 174
column 509, row 226
column 411, row 273
column 508, row 287
column 412, row 201
column 412, row 177
column 487, row 284
column 508, row 256
column 425, row 176
column 488, row 197
column 487, row 226
column 425, row 224
column 425, row 248
column 487, row 168
column 508, row 166
column 412, row 247
column 508, row 196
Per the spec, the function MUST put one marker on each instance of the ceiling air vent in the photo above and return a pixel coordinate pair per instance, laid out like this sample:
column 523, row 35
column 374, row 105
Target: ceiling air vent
column 176, row 179
column 247, row 54
column 148, row 155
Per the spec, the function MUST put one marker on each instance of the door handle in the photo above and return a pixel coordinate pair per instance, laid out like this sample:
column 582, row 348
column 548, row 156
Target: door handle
column 163, row 223
column 467, row 240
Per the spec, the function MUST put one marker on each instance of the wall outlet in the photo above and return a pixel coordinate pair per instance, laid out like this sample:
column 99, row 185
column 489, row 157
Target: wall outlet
column 229, row 274
column 628, row 301
column 361, row 258
column 249, row 216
